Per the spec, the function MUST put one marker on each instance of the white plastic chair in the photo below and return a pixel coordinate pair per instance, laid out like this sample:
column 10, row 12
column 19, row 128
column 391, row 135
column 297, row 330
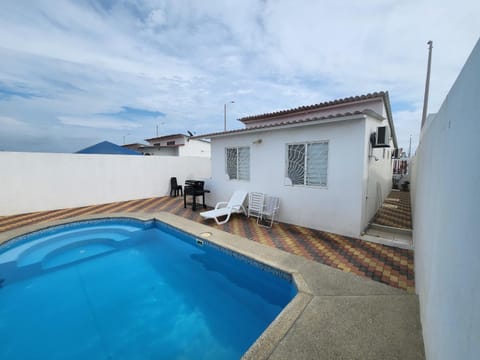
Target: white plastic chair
column 270, row 209
column 234, row 205
column 255, row 204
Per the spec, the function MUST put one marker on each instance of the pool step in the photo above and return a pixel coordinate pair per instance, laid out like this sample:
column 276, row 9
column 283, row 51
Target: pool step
column 62, row 249
column 76, row 252
column 38, row 251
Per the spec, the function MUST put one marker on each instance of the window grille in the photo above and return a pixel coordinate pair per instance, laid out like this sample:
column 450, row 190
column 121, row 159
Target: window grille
column 308, row 163
column 296, row 164
column 238, row 163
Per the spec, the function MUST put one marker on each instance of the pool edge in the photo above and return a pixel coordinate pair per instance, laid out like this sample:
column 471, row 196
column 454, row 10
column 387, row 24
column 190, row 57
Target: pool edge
column 266, row 343
column 316, row 283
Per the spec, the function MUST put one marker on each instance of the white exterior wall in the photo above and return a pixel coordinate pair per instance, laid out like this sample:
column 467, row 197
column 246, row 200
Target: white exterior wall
column 336, row 208
column 44, row 181
column 195, row 148
column 446, row 213
column 377, row 180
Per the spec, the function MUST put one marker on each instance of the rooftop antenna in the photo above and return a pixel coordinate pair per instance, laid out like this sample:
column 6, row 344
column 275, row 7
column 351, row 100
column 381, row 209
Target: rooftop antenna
column 162, row 123
column 427, row 83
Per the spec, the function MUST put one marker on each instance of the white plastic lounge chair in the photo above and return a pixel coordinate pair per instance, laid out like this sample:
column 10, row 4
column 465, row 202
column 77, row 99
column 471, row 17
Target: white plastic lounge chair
column 270, row 209
column 234, row 205
column 255, row 204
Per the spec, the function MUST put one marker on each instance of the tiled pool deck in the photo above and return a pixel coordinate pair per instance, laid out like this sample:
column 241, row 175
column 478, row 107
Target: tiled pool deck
column 388, row 265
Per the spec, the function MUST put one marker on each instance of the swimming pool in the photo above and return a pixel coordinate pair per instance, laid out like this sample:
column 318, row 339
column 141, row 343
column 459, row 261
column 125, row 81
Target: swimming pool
column 129, row 289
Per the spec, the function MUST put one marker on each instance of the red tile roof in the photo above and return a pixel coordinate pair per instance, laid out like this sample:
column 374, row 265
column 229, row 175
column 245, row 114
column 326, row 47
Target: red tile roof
column 306, row 109
column 301, row 109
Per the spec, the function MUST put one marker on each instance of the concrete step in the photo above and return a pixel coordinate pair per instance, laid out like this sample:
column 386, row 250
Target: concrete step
column 389, row 238
column 390, row 229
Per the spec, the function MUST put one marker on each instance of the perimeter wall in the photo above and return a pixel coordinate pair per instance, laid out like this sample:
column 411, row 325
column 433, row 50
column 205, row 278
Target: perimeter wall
column 47, row 181
column 446, row 221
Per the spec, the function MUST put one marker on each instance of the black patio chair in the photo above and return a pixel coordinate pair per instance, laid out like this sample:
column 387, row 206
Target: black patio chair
column 175, row 188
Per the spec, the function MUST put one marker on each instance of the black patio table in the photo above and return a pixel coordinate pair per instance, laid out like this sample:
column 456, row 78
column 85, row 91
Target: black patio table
column 194, row 188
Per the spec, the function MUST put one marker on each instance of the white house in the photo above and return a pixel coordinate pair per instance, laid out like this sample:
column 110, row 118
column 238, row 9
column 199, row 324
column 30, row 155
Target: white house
column 173, row 145
column 330, row 163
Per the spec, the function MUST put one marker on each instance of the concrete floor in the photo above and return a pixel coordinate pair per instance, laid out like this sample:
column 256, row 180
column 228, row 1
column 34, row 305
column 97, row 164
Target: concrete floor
column 335, row 315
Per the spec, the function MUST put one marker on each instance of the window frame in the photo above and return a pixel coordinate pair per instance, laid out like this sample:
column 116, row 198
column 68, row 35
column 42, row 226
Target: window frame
column 305, row 165
column 237, row 162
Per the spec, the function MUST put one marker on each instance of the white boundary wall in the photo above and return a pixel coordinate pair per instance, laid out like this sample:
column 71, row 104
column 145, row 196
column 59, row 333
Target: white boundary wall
column 446, row 219
column 46, row 181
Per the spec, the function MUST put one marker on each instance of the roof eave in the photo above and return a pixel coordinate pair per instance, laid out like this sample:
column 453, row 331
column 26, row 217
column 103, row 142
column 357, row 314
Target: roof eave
column 167, row 137
column 306, row 122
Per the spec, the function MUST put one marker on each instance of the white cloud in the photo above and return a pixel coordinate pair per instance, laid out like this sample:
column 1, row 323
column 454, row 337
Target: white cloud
column 99, row 122
column 186, row 59
column 156, row 18
column 6, row 121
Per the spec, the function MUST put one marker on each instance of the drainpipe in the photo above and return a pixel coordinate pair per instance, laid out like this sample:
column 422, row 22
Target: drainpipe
column 427, row 84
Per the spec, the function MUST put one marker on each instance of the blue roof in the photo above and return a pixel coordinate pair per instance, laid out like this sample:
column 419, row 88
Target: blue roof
column 106, row 147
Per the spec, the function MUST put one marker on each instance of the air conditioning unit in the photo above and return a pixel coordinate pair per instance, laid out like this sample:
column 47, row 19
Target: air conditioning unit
column 381, row 138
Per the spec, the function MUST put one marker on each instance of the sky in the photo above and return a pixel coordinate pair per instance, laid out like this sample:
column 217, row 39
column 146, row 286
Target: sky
column 74, row 73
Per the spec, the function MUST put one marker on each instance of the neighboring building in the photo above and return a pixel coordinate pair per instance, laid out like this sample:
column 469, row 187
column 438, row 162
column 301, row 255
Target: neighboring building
column 401, row 170
column 106, row 147
column 329, row 163
column 135, row 147
column 173, row 145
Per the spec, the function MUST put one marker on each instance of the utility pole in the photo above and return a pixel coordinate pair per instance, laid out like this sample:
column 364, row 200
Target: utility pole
column 156, row 127
column 427, row 84
column 225, row 115
column 410, row 147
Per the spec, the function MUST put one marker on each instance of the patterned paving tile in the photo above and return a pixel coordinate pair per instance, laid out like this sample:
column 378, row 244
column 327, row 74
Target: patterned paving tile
column 388, row 265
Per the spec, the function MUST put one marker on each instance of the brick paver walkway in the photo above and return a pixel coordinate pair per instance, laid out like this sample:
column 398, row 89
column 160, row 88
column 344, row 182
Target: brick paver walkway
column 395, row 211
column 381, row 263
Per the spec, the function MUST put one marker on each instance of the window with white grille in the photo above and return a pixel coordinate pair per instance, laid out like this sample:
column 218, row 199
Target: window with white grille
column 307, row 163
column 238, row 163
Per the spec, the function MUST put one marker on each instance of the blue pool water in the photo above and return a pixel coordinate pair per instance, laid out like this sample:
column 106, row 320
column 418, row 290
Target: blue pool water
column 126, row 289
